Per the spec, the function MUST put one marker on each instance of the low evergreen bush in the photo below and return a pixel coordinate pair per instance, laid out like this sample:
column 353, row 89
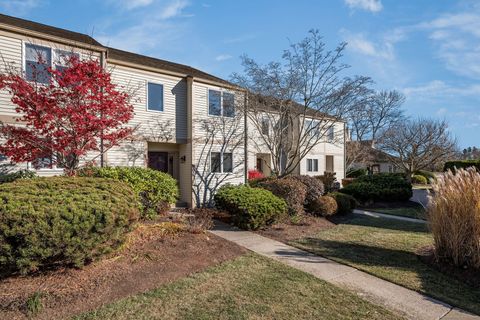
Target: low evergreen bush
column 380, row 187
column 418, row 179
column 16, row 175
column 324, row 206
column 345, row 202
column 251, row 208
column 461, row 164
column 62, row 221
column 157, row 190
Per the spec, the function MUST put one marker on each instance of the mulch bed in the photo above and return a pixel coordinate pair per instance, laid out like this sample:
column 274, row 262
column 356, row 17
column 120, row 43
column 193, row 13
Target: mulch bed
column 469, row 276
column 150, row 258
column 284, row 232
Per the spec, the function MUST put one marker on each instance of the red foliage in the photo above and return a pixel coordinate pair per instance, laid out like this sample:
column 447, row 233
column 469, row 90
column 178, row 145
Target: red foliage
column 255, row 174
column 66, row 118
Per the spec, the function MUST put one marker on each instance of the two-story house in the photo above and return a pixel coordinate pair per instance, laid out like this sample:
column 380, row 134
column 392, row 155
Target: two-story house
column 181, row 114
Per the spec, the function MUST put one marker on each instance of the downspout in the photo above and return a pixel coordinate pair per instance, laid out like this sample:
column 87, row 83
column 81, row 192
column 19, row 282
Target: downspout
column 103, row 62
column 245, row 130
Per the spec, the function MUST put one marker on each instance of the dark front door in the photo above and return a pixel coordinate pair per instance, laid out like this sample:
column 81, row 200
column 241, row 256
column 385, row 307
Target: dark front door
column 158, row 161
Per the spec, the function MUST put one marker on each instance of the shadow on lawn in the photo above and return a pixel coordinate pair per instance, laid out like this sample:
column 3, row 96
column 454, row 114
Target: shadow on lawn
column 383, row 223
column 397, row 266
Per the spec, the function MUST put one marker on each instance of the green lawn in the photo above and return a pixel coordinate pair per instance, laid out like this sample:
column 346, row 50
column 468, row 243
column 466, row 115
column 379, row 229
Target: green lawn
column 249, row 287
column 386, row 248
column 410, row 212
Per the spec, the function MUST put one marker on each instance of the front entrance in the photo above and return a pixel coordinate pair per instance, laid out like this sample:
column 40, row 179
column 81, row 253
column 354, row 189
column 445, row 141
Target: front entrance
column 158, row 161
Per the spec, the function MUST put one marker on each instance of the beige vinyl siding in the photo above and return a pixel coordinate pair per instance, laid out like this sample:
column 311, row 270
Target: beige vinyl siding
column 201, row 157
column 152, row 124
column 10, row 54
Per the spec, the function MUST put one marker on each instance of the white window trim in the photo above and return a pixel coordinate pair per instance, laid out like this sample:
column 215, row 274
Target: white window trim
column 221, row 162
column 313, row 164
column 53, row 54
column 222, row 91
column 163, row 96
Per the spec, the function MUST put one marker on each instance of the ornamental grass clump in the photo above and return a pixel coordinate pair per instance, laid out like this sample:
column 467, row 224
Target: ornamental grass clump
column 454, row 216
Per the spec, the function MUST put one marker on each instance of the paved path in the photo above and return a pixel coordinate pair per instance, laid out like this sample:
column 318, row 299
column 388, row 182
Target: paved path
column 394, row 297
column 387, row 216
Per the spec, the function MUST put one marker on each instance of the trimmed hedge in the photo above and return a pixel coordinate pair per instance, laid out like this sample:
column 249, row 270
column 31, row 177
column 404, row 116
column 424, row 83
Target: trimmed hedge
column 345, row 202
column 314, row 188
column 379, row 187
column 62, row 221
column 324, row 206
column 251, row 208
column 157, row 190
column 461, row 164
column 418, row 179
column 426, row 174
column 355, row 173
column 16, row 175
column 289, row 189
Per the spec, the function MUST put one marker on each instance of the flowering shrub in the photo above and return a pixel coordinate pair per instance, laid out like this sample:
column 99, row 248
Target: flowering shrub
column 255, row 174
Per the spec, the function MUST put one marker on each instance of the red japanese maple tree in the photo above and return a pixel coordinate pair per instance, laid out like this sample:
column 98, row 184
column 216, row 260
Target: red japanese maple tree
column 79, row 110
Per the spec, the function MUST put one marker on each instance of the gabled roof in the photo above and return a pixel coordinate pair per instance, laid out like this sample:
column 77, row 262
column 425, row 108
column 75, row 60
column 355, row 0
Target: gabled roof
column 185, row 70
column 49, row 30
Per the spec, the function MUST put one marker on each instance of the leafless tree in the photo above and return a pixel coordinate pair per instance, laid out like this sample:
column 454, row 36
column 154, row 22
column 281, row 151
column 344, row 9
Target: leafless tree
column 376, row 112
column 358, row 153
column 300, row 100
column 224, row 136
column 418, row 144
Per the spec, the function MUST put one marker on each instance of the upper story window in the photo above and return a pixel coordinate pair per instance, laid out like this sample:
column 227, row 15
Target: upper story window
column 331, row 133
column 265, row 126
column 155, row 97
column 37, row 61
column 221, row 103
column 62, row 58
column 39, row 58
column 312, row 127
column 312, row 165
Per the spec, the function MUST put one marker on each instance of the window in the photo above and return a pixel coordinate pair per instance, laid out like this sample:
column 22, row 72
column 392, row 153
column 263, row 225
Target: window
column 155, row 97
column 329, row 164
column 331, row 133
column 312, row 165
column 312, row 127
column 221, row 162
column 265, row 126
column 221, row 103
column 62, row 59
column 228, row 104
column 37, row 61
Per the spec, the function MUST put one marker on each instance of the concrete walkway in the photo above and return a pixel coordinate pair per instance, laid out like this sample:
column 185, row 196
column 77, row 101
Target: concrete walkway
column 407, row 302
column 420, row 196
column 387, row 216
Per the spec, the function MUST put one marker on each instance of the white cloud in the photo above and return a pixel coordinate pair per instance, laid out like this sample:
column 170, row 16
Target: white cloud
column 383, row 49
column 457, row 38
column 156, row 28
column 438, row 89
column 223, row 57
column 368, row 5
column 173, row 9
column 19, row 7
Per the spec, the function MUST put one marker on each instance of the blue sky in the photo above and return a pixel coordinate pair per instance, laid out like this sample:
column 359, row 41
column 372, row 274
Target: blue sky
column 429, row 50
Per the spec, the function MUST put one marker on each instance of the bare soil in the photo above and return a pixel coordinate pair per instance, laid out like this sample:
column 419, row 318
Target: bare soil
column 288, row 231
column 155, row 254
column 470, row 276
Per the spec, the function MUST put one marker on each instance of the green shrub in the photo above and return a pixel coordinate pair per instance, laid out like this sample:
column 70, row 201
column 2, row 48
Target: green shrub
column 418, row 179
column 314, row 188
column 430, row 176
column 289, row 189
column 329, row 181
column 251, row 208
column 61, row 221
column 345, row 202
column 157, row 190
column 324, row 206
column 16, row 175
column 379, row 187
column 461, row 164
column 355, row 173
column 347, row 181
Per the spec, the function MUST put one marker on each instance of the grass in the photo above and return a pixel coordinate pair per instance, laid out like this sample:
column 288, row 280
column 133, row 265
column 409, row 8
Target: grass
column 386, row 248
column 417, row 212
column 248, row 287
